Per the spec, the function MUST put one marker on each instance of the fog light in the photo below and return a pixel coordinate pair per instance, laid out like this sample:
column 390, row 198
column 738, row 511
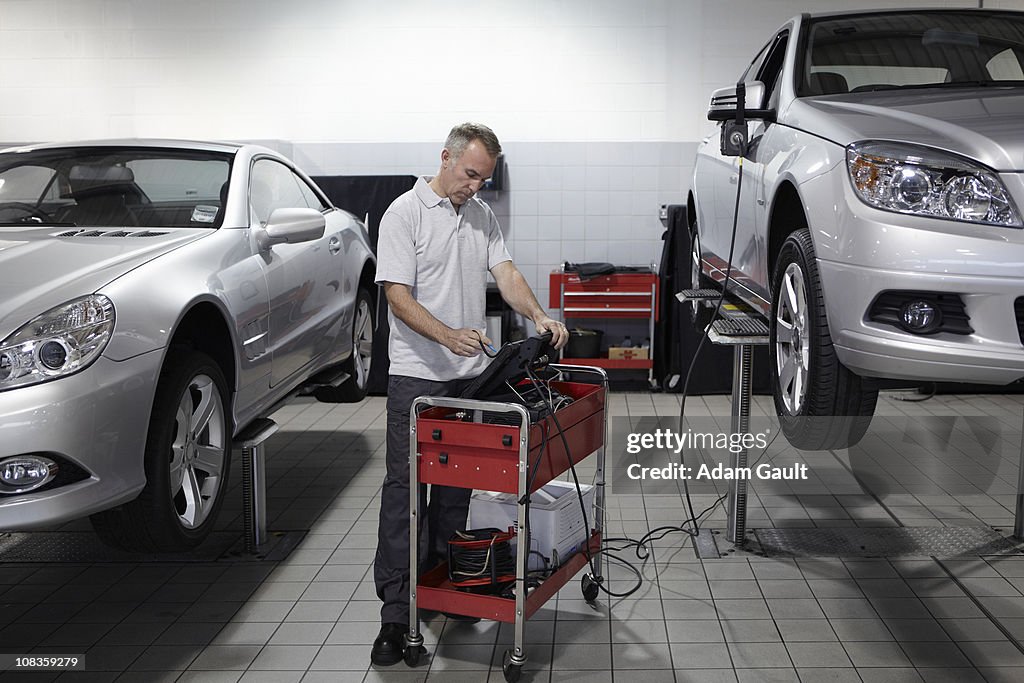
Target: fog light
column 920, row 317
column 25, row 473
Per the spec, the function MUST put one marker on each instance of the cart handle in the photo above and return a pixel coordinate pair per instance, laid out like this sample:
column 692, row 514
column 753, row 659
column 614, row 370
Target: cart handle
column 582, row 368
column 470, row 404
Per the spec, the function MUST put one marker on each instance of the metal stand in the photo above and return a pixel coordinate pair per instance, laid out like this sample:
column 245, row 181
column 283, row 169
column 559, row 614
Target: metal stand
column 736, row 504
column 1018, row 511
column 254, row 482
column 742, row 331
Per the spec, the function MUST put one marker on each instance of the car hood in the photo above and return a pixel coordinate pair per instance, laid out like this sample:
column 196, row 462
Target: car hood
column 983, row 123
column 41, row 268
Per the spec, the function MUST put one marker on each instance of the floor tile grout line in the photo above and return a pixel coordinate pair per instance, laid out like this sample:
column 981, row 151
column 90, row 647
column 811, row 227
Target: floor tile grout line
column 977, row 603
column 868, row 490
column 661, row 602
column 348, row 601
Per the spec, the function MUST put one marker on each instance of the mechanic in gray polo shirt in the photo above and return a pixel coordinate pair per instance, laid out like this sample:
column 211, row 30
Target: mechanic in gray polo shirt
column 436, row 246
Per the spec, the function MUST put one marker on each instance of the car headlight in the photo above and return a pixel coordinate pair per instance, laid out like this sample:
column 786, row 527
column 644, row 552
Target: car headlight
column 61, row 341
column 928, row 182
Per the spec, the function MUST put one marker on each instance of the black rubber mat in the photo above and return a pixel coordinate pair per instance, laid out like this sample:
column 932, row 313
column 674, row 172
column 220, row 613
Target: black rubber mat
column 86, row 547
column 883, row 542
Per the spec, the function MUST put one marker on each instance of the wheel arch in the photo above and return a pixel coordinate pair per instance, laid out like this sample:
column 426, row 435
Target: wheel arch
column 204, row 327
column 366, row 281
column 787, row 216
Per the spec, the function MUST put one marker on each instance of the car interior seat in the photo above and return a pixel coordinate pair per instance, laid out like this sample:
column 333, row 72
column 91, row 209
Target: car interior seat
column 102, row 195
column 218, row 220
column 827, row 83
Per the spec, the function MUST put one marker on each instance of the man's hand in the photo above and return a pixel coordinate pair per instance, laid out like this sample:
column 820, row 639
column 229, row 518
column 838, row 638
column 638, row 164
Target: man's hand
column 559, row 333
column 466, row 342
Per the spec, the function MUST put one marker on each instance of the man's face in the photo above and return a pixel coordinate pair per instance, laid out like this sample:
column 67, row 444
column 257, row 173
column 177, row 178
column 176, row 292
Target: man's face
column 461, row 178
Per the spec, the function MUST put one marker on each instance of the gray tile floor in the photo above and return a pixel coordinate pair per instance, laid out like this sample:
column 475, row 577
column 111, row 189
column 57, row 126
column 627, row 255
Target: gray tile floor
column 950, row 461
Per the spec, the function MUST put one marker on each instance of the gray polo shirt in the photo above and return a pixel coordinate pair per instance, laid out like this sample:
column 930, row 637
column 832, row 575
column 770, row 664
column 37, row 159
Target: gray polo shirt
column 444, row 257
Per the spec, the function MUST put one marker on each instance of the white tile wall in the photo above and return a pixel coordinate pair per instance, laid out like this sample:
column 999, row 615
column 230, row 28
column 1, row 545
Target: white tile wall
column 600, row 103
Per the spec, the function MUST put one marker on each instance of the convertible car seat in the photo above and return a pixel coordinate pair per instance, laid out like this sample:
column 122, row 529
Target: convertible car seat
column 102, row 195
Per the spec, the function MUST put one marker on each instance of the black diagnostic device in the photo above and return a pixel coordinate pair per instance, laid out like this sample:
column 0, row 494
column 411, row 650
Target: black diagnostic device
column 510, row 366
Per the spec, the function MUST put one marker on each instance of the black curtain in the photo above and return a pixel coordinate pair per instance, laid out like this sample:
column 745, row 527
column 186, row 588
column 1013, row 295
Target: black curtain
column 369, row 197
column 676, row 339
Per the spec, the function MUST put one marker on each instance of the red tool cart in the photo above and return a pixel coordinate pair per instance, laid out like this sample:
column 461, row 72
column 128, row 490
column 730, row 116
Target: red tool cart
column 451, row 444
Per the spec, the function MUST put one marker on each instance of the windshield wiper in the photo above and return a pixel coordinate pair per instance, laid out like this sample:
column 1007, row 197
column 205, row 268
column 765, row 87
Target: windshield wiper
column 966, row 84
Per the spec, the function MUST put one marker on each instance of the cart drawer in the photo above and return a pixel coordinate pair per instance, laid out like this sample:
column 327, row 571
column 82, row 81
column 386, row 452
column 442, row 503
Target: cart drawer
column 486, row 456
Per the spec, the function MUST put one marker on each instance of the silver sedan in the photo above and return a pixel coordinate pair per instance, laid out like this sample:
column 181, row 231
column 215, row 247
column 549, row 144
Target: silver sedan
column 868, row 202
column 155, row 298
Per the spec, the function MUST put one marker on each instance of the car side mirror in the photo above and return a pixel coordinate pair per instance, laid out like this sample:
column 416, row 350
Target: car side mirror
column 291, row 226
column 724, row 103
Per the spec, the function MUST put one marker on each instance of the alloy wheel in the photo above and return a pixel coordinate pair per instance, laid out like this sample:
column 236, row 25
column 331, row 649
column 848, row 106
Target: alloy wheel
column 362, row 341
column 792, row 341
column 197, row 451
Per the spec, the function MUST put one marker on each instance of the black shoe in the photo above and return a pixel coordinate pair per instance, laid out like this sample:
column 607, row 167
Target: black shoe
column 389, row 647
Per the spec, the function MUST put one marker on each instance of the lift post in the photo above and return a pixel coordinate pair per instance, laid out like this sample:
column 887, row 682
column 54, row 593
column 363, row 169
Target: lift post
column 1018, row 509
column 743, row 331
column 254, row 481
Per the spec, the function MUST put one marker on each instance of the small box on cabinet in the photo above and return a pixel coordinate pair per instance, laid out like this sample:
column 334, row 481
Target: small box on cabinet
column 627, row 353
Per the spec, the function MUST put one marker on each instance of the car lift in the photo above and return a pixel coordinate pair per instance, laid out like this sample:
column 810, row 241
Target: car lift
column 743, row 331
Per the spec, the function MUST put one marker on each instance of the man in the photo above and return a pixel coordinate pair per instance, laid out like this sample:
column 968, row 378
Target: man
column 437, row 243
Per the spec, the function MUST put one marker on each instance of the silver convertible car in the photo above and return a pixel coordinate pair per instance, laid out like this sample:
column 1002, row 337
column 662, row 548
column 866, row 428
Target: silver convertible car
column 155, row 298
column 865, row 196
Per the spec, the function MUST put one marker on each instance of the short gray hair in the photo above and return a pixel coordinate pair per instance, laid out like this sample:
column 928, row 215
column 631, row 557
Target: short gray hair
column 464, row 133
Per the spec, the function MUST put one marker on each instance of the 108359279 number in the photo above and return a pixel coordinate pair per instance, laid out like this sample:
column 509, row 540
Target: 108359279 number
column 40, row 662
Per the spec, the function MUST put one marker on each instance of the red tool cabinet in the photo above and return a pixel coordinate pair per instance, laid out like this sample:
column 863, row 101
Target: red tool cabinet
column 620, row 295
column 470, row 453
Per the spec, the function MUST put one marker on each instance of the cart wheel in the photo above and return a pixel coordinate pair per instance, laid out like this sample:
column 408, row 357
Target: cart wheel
column 512, row 671
column 413, row 654
column 590, row 588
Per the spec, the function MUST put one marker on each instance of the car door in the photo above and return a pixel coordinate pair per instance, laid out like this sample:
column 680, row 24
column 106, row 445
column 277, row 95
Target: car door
column 752, row 222
column 340, row 277
column 715, row 185
column 296, row 274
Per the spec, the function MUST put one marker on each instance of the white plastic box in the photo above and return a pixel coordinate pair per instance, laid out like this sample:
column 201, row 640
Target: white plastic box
column 556, row 520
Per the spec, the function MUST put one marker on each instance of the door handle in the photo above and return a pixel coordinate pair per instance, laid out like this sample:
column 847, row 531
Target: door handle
column 334, row 245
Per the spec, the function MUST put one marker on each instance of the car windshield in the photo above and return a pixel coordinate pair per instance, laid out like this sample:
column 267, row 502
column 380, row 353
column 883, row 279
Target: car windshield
column 114, row 187
column 916, row 50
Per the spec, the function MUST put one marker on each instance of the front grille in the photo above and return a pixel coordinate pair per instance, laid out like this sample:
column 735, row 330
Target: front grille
column 886, row 309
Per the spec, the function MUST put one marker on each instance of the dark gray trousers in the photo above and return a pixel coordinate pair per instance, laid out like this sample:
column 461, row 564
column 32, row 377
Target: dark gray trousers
column 446, row 511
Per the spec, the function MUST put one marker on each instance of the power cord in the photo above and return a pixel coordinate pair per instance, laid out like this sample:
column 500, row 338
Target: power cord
column 697, row 519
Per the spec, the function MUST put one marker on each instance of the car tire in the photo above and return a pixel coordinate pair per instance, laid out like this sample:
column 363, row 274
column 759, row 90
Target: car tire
column 357, row 366
column 820, row 403
column 187, row 461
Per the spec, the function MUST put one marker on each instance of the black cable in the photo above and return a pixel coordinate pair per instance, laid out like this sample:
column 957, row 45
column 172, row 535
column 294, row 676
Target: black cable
column 703, row 339
column 641, row 544
column 695, row 518
column 598, row 579
column 476, row 563
column 483, row 347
